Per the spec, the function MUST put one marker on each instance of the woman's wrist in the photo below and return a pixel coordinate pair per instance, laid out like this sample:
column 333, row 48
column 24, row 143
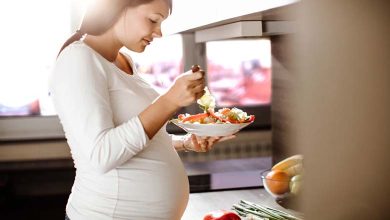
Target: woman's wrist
column 168, row 102
column 185, row 144
column 180, row 142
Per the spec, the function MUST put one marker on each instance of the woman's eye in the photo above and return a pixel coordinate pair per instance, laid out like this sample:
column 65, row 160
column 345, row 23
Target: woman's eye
column 153, row 21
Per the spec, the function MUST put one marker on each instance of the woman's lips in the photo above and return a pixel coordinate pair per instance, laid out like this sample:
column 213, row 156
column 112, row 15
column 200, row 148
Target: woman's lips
column 146, row 41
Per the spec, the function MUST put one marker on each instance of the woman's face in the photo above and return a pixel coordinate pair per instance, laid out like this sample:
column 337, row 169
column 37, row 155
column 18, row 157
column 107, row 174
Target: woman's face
column 138, row 25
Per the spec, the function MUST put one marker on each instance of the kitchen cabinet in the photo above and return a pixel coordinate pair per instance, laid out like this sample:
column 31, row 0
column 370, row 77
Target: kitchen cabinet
column 205, row 14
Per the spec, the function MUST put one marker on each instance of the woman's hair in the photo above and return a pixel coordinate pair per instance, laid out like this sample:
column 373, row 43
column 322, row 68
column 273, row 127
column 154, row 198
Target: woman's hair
column 101, row 15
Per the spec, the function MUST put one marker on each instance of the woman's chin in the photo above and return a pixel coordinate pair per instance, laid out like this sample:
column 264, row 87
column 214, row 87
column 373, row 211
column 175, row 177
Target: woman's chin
column 138, row 49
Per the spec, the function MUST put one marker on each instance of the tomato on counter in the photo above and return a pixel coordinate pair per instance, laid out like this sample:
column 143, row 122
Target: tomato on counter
column 221, row 215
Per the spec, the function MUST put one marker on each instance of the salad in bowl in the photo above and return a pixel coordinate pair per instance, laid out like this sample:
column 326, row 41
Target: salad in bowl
column 223, row 122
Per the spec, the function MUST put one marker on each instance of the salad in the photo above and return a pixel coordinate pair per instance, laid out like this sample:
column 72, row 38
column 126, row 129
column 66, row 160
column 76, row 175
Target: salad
column 210, row 116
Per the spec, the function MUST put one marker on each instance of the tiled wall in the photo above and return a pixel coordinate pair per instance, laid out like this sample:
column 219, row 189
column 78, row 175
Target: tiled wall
column 245, row 145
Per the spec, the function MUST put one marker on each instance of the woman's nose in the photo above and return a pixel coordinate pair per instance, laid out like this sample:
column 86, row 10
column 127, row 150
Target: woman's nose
column 157, row 33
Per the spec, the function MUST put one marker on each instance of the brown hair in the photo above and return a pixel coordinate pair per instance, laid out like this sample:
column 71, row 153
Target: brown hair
column 101, row 15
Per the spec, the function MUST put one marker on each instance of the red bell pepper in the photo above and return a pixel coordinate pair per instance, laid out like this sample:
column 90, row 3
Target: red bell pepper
column 221, row 215
column 225, row 111
column 195, row 117
column 251, row 118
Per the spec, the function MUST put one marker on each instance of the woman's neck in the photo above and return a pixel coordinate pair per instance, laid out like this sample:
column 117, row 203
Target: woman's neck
column 104, row 44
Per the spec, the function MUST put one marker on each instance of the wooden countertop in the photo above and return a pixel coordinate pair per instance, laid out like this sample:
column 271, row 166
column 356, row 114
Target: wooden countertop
column 201, row 203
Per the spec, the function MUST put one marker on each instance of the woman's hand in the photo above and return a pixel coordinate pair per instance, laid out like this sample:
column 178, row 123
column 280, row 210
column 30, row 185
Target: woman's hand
column 186, row 89
column 195, row 143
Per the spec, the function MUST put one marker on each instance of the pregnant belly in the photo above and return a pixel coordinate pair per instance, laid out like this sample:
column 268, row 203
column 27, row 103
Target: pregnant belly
column 151, row 191
column 154, row 183
column 152, row 180
column 151, row 185
column 154, row 195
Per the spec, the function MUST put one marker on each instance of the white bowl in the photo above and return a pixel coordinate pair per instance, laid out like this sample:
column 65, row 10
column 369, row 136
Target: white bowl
column 211, row 129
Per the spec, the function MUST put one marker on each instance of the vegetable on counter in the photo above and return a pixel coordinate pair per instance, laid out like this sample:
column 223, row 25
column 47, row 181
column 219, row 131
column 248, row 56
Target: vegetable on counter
column 278, row 182
column 221, row 215
column 255, row 211
column 293, row 167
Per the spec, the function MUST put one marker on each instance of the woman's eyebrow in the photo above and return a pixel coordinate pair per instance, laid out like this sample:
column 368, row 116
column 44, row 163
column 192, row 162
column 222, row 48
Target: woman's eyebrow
column 158, row 13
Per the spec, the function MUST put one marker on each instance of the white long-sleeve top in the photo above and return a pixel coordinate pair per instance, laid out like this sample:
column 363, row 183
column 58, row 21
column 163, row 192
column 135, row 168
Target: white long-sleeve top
column 120, row 173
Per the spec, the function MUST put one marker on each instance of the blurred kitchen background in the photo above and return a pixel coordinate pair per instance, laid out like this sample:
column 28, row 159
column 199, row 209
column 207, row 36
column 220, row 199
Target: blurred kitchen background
column 315, row 74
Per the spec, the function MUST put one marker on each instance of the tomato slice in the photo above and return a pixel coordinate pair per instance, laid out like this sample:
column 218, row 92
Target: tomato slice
column 181, row 116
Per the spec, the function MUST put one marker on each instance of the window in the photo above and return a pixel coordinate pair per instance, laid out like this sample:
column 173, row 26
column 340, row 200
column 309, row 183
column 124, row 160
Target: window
column 33, row 32
column 239, row 75
column 36, row 34
column 239, row 72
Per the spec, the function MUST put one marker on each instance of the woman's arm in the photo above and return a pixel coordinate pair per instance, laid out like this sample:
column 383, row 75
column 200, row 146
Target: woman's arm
column 186, row 89
column 80, row 92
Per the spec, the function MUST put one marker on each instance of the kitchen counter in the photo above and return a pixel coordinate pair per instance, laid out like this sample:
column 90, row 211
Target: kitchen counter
column 201, row 203
column 214, row 185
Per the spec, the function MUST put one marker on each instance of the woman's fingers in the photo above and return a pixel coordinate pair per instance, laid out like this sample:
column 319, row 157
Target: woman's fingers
column 197, row 144
column 198, row 88
column 196, row 85
column 193, row 76
column 199, row 94
column 204, row 144
column 211, row 142
column 187, row 88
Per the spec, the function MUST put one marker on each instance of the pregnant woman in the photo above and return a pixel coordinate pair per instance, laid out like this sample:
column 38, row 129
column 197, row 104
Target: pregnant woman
column 126, row 163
